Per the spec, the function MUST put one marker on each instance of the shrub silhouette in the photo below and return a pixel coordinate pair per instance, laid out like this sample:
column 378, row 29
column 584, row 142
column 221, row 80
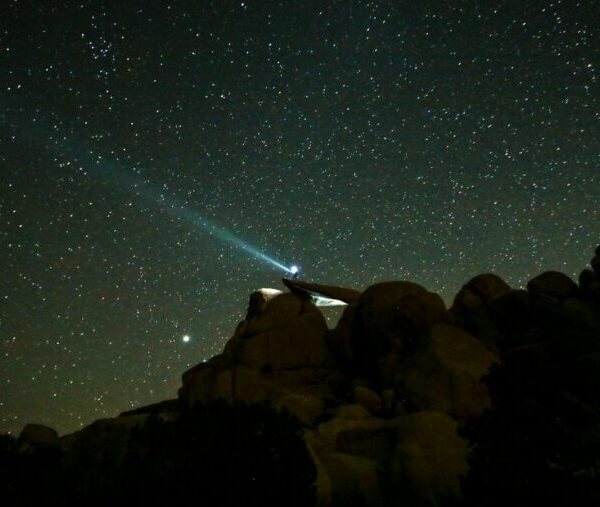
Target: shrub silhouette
column 216, row 454
column 213, row 454
column 540, row 444
column 28, row 476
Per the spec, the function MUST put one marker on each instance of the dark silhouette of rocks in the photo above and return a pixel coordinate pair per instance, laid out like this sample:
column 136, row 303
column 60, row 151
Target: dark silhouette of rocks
column 553, row 285
column 494, row 401
column 38, row 435
column 589, row 280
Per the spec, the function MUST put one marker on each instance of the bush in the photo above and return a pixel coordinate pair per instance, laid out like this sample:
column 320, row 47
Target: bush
column 220, row 455
column 212, row 454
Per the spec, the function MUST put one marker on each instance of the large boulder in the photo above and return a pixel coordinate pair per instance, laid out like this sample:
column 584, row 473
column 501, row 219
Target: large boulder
column 393, row 311
column 368, row 399
column 277, row 312
column 38, row 435
column 470, row 307
column 553, row 284
column 478, row 291
column 429, row 459
column 419, row 459
column 278, row 354
column 298, row 344
column 444, row 374
column 390, row 317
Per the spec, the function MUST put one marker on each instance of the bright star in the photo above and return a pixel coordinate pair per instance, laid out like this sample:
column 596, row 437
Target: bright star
column 186, row 338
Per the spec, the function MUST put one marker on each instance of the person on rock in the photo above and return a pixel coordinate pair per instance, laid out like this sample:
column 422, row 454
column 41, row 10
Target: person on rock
column 295, row 271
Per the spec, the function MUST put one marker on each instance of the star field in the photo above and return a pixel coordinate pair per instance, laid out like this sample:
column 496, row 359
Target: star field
column 365, row 141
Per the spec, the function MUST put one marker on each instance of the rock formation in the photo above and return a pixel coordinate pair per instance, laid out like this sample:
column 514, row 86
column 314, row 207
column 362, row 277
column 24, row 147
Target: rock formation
column 278, row 353
column 38, row 435
column 407, row 402
column 402, row 353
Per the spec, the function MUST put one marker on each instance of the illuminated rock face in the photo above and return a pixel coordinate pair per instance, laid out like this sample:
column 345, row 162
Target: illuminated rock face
column 279, row 353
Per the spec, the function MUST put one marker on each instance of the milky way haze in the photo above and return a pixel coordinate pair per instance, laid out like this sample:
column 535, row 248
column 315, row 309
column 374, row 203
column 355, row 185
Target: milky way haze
column 365, row 141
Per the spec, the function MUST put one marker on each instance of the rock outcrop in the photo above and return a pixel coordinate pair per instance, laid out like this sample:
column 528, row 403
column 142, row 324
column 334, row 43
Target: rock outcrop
column 406, row 402
column 445, row 372
column 38, row 435
column 553, row 284
column 279, row 354
column 394, row 348
column 384, row 395
column 385, row 322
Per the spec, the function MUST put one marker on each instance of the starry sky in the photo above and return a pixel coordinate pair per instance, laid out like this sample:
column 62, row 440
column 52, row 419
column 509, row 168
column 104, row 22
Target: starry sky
column 158, row 160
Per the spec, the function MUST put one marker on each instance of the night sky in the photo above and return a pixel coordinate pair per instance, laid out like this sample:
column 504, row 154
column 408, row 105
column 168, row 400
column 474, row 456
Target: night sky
column 152, row 151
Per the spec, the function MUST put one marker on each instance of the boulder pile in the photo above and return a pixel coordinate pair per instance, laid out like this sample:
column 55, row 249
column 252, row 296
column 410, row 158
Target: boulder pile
column 407, row 402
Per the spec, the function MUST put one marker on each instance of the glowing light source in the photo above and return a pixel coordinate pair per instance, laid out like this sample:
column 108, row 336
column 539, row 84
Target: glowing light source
column 186, row 338
column 294, row 269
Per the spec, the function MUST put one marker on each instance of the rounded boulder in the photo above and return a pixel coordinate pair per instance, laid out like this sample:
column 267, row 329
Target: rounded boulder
column 445, row 374
column 38, row 435
column 478, row 291
column 391, row 315
column 553, row 284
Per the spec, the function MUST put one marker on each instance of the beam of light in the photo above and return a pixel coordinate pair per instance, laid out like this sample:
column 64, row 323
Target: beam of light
column 103, row 169
column 179, row 209
column 222, row 233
